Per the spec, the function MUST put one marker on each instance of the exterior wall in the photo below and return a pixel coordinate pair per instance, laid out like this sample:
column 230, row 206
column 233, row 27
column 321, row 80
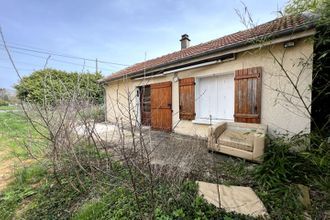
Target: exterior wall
column 283, row 113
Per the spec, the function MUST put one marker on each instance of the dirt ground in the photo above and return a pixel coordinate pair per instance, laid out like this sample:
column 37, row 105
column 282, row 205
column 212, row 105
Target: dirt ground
column 6, row 170
column 8, row 165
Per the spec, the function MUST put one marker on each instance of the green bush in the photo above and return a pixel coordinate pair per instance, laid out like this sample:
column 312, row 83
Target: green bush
column 50, row 85
column 3, row 103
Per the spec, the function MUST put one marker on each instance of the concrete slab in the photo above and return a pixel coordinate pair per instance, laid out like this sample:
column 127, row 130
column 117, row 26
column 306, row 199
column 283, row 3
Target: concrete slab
column 237, row 199
column 106, row 132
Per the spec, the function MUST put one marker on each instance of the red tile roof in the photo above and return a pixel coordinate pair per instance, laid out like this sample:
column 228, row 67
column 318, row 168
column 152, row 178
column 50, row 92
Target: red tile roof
column 285, row 23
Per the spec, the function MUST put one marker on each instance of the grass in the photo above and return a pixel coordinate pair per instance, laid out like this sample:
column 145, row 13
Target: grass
column 21, row 189
column 15, row 132
column 235, row 172
column 8, row 108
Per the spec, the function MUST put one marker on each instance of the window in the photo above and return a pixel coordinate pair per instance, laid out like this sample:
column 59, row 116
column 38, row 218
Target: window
column 215, row 97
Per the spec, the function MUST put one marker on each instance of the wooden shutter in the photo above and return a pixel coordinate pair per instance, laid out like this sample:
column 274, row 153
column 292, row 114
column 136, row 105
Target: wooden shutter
column 248, row 95
column 187, row 98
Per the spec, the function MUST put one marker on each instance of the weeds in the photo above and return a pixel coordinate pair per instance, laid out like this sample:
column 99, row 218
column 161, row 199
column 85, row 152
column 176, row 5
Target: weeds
column 107, row 200
column 25, row 185
column 235, row 172
column 284, row 167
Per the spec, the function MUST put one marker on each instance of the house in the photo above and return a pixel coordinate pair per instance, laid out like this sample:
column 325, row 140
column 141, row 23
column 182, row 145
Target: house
column 239, row 77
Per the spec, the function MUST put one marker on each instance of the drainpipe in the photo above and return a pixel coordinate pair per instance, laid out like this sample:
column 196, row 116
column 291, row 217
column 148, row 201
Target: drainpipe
column 105, row 103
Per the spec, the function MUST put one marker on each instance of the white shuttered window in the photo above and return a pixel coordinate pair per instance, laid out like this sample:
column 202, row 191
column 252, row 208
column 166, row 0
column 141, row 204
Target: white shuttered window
column 215, row 97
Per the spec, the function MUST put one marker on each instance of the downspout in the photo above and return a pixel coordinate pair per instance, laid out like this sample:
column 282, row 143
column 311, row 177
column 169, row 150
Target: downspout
column 105, row 103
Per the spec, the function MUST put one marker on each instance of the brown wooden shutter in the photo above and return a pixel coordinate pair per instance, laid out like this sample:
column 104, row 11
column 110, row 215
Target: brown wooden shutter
column 248, row 95
column 187, row 98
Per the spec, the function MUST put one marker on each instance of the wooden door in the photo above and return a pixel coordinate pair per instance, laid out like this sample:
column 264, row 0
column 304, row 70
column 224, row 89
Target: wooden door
column 248, row 95
column 145, row 105
column 161, row 106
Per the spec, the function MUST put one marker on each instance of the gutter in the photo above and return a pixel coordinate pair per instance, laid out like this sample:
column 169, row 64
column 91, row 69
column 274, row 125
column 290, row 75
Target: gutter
column 181, row 69
column 192, row 66
column 162, row 67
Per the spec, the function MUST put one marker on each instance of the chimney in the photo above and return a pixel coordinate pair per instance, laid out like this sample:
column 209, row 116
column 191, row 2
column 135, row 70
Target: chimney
column 185, row 41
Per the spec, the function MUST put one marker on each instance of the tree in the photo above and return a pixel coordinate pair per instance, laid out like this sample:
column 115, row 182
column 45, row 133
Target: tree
column 321, row 70
column 50, row 85
column 4, row 98
column 320, row 86
column 299, row 6
column 3, row 92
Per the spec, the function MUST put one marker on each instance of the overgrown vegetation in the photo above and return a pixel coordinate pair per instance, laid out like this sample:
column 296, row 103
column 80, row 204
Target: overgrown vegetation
column 117, row 202
column 35, row 194
column 284, row 168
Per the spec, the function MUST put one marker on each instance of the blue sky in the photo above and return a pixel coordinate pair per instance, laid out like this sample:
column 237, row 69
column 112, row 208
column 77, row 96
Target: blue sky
column 119, row 31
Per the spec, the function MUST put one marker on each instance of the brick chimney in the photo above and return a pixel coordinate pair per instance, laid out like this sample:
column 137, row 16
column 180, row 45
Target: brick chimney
column 185, row 41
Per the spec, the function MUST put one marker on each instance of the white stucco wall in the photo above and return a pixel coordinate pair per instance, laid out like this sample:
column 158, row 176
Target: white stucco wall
column 279, row 110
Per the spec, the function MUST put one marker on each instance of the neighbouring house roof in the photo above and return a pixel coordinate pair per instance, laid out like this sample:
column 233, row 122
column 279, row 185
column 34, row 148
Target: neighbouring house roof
column 282, row 26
